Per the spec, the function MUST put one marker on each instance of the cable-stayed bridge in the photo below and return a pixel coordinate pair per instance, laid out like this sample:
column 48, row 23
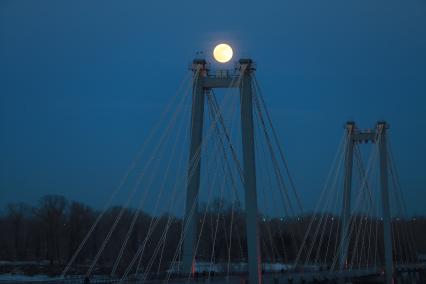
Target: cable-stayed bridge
column 225, row 208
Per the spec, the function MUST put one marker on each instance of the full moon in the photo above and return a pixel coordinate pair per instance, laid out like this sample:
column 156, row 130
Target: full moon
column 222, row 53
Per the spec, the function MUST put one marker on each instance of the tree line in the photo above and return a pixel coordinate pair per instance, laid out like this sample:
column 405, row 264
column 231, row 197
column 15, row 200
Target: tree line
column 53, row 229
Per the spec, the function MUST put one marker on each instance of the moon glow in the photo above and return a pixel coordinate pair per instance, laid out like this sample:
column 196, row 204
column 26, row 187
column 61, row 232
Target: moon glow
column 222, row 53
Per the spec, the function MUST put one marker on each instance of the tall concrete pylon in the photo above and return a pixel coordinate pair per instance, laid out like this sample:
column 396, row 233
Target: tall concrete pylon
column 202, row 83
column 356, row 136
column 387, row 232
column 347, row 192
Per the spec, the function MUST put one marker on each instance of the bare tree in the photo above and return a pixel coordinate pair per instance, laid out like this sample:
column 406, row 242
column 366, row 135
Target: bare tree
column 51, row 212
column 16, row 214
column 80, row 219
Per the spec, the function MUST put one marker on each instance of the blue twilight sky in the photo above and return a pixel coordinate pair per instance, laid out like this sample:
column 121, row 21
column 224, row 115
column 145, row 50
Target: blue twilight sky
column 82, row 82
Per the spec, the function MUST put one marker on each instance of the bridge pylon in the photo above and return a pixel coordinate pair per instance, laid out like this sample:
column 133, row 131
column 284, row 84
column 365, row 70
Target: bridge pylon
column 355, row 136
column 202, row 83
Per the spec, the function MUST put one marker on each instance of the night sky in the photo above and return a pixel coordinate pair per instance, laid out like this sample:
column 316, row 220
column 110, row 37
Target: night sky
column 82, row 82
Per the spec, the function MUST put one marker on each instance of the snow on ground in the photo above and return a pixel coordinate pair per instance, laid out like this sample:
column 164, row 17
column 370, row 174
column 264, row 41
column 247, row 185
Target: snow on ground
column 21, row 277
column 20, row 263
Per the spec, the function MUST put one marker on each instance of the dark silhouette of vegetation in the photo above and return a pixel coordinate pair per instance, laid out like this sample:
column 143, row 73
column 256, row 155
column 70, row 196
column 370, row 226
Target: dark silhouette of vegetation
column 50, row 233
